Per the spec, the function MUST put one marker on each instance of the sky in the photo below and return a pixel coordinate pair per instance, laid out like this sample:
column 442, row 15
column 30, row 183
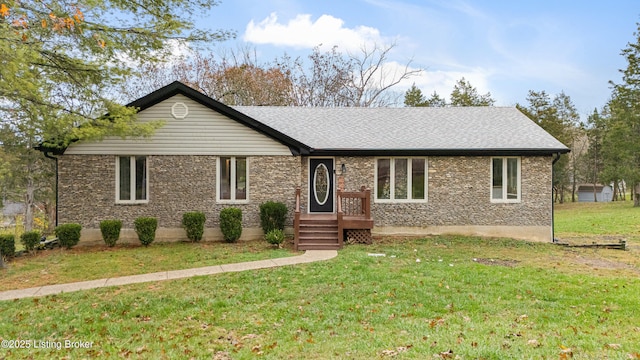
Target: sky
column 505, row 47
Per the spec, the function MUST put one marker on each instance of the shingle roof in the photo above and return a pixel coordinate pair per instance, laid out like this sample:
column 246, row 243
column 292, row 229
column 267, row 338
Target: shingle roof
column 451, row 129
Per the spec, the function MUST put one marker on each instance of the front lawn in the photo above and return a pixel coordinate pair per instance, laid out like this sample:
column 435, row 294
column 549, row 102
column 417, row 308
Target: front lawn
column 59, row 266
column 440, row 297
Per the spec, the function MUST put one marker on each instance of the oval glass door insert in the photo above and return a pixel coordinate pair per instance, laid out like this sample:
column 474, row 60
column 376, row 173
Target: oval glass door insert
column 321, row 184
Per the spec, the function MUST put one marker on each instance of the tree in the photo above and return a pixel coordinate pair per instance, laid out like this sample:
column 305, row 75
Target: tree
column 61, row 61
column 413, row 97
column 464, row 94
column 436, row 101
column 372, row 76
column 622, row 138
column 593, row 161
column 328, row 78
column 559, row 118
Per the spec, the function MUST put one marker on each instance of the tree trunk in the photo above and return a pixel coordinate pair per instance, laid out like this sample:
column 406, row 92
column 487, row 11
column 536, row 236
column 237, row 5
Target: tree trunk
column 1, row 260
column 636, row 197
column 29, row 204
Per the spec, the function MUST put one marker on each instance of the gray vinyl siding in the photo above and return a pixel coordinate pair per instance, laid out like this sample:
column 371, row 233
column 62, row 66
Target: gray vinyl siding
column 202, row 132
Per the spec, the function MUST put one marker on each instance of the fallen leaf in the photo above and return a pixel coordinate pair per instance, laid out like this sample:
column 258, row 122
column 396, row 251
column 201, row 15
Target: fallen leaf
column 533, row 342
column 613, row 346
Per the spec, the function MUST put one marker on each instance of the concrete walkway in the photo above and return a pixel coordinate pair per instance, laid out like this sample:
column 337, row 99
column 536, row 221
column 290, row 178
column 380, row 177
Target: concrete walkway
column 307, row 257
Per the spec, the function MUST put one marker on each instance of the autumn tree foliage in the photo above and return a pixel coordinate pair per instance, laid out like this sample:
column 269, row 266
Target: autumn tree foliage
column 62, row 59
column 323, row 78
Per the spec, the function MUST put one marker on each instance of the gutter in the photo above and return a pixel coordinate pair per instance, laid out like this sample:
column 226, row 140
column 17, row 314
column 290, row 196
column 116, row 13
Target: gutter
column 553, row 231
column 46, row 154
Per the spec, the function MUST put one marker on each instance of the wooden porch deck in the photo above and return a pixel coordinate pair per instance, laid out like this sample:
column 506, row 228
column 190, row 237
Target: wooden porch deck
column 327, row 231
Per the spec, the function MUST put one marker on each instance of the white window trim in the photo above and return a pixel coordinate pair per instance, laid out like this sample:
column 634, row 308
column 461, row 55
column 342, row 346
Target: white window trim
column 392, row 169
column 132, row 162
column 504, row 177
column 233, row 181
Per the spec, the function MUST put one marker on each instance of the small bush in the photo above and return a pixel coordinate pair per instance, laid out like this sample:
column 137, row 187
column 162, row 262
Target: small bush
column 272, row 215
column 193, row 223
column 110, row 230
column 30, row 240
column 146, row 229
column 8, row 245
column 231, row 224
column 275, row 237
column 68, row 234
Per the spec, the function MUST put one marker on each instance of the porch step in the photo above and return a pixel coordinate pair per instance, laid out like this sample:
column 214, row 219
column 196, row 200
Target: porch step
column 318, row 234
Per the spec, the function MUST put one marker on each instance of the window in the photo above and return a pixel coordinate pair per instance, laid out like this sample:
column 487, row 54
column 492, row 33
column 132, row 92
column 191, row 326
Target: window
column 233, row 179
column 401, row 179
column 505, row 179
column 132, row 185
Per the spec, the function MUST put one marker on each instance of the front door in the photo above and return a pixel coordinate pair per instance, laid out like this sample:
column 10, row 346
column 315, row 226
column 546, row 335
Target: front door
column 321, row 185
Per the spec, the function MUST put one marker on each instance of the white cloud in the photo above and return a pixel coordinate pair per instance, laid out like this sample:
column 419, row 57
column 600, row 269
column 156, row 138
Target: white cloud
column 302, row 32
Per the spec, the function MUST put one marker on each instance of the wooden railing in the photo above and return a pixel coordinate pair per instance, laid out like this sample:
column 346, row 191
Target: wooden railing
column 354, row 211
column 296, row 220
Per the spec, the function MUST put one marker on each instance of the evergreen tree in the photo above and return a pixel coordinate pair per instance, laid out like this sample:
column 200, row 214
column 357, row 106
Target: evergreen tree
column 413, row 97
column 436, row 101
column 622, row 140
column 464, row 94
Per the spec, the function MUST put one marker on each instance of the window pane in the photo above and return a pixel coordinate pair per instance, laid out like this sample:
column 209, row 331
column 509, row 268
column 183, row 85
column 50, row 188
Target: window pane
column 512, row 178
column 384, row 179
column 225, row 178
column 241, row 178
column 496, row 190
column 125, row 178
column 417, row 179
column 141, row 178
column 401, row 179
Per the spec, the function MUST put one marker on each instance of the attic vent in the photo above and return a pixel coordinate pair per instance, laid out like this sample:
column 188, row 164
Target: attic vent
column 179, row 110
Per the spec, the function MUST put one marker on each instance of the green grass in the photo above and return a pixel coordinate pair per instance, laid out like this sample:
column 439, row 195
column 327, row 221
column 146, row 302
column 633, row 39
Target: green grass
column 531, row 301
column 58, row 266
column 612, row 218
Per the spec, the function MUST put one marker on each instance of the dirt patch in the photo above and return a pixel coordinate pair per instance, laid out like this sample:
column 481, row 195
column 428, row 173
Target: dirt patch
column 497, row 262
column 605, row 264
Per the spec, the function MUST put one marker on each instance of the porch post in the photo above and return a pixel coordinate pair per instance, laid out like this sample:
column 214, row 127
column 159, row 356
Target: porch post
column 296, row 220
column 340, row 223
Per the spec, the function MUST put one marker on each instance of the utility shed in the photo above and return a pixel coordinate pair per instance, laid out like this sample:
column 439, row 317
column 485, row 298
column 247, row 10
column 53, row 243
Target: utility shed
column 603, row 193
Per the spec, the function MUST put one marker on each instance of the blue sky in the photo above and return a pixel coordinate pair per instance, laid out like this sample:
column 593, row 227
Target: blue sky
column 503, row 47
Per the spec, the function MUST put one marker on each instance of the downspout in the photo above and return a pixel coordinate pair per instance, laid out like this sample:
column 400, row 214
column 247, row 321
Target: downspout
column 553, row 234
column 46, row 154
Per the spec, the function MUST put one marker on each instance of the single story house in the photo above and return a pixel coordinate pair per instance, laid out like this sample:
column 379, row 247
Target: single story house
column 388, row 171
column 594, row 193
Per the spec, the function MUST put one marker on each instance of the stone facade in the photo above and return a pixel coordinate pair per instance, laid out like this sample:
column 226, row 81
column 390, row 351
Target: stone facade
column 458, row 199
column 177, row 184
column 458, row 195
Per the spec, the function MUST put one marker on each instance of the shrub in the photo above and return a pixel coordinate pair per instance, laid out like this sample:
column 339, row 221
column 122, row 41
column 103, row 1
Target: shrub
column 275, row 237
column 272, row 216
column 231, row 224
column 146, row 229
column 110, row 230
column 68, row 234
column 30, row 240
column 193, row 223
column 8, row 245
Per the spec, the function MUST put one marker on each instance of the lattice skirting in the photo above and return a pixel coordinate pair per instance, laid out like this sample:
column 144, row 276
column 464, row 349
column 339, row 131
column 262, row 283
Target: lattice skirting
column 358, row 236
